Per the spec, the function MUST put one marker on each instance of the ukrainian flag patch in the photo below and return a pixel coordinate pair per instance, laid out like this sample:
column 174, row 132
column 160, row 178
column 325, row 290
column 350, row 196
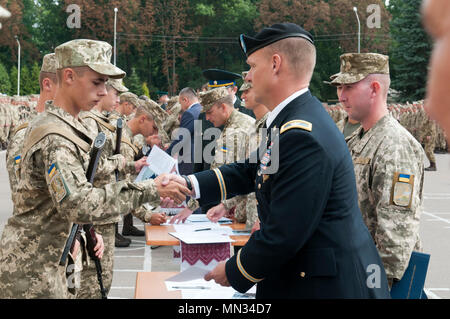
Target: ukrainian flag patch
column 58, row 187
column 402, row 190
column 17, row 159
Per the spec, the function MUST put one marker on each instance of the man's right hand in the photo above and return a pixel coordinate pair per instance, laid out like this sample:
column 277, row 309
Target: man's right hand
column 172, row 186
column 217, row 212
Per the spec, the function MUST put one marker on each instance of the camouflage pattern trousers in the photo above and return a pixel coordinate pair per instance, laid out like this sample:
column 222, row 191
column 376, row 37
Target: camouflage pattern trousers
column 429, row 151
column 89, row 287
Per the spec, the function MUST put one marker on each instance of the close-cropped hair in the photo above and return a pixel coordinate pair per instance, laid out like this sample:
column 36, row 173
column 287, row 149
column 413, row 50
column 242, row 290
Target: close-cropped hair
column 189, row 92
column 142, row 111
column 47, row 75
column 300, row 53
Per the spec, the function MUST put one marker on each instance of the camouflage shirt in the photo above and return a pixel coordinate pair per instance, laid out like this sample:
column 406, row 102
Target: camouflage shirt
column 231, row 146
column 389, row 176
column 249, row 213
column 53, row 193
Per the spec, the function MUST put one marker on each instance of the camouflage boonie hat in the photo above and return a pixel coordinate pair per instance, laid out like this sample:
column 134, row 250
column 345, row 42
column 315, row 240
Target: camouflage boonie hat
column 118, row 85
column 91, row 53
column 49, row 63
column 130, row 97
column 246, row 85
column 357, row 66
column 208, row 99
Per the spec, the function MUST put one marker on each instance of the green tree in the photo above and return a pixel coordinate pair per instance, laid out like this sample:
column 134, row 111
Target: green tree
column 5, row 84
column 145, row 89
column 133, row 83
column 410, row 50
column 13, row 79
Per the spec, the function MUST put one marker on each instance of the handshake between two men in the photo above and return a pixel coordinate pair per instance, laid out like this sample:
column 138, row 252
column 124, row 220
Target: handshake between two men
column 172, row 189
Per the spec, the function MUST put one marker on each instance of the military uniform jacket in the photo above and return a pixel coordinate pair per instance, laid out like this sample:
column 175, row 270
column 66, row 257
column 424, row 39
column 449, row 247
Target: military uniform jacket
column 388, row 165
column 313, row 242
column 53, row 193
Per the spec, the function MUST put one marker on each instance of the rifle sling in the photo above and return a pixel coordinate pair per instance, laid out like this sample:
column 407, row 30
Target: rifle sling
column 128, row 142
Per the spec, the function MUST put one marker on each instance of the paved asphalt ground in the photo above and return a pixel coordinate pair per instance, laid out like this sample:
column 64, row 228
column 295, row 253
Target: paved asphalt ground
column 434, row 230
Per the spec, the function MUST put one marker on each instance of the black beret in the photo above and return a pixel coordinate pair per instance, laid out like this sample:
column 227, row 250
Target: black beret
column 272, row 34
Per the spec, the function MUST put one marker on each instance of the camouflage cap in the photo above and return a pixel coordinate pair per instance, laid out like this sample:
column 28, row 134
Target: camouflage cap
column 118, row 85
column 209, row 98
column 91, row 53
column 246, row 85
column 357, row 66
column 130, row 97
column 49, row 63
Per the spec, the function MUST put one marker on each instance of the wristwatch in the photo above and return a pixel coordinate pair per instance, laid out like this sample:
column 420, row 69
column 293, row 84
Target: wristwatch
column 188, row 182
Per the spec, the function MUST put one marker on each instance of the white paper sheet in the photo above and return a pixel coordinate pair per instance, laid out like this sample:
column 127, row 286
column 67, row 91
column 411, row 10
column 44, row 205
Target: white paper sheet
column 202, row 237
column 192, row 273
column 159, row 162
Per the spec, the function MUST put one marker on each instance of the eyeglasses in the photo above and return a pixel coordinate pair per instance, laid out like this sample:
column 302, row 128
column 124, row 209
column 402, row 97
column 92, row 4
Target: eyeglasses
column 242, row 43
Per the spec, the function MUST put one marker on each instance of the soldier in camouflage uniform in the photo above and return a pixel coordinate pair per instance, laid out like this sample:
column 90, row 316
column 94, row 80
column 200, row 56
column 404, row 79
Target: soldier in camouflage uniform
column 128, row 104
column 429, row 136
column 97, row 122
column 142, row 124
column 247, row 214
column 53, row 192
column 232, row 143
column 388, row 161
column 48, row 85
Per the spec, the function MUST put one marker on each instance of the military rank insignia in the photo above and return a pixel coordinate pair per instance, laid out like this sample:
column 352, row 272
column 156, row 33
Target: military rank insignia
column 58, row 187
column 402, row 190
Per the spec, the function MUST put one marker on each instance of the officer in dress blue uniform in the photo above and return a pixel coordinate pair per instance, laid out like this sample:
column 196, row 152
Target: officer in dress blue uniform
column 313, row 242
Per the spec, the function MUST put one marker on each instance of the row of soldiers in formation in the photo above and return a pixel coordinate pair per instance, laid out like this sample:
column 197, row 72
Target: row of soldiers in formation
column 17, row 110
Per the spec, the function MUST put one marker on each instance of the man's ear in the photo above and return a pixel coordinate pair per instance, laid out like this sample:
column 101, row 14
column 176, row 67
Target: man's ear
column 276, row 63
column 69, row 75
column 47, row 84
column 375, row 88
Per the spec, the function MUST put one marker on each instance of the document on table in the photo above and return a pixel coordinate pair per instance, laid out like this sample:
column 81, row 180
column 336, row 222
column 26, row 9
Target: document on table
column 202, row 237
column 201, row 218
column 193, row 286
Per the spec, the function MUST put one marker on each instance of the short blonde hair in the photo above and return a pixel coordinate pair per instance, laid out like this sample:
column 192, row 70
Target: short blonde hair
column 300, row 53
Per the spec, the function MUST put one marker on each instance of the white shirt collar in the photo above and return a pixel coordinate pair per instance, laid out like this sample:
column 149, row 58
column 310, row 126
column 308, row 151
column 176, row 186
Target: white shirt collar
column 273, row 115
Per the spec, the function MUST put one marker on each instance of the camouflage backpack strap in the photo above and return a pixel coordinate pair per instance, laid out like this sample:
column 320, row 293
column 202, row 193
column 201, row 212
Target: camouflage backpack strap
column 38, row 133
column 130, row 144
column 20, row 127
column 101, row 122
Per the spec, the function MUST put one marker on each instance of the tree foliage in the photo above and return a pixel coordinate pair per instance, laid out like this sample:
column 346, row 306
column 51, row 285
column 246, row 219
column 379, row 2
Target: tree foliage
column 410, row 50
column 168, row 43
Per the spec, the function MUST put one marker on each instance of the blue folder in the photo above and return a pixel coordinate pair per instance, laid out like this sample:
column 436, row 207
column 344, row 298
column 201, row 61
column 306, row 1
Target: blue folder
column 413, row 280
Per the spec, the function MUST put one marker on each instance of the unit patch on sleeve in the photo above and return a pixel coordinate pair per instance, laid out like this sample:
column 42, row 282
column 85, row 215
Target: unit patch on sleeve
column 402, row 189
column 58, row 187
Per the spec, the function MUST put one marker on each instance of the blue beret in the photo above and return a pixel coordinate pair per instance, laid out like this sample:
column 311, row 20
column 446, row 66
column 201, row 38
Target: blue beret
column 272, row 34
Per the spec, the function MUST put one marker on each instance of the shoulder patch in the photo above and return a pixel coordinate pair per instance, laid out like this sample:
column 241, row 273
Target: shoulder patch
column 58, row 187
column 402, row 190
column 304, row 125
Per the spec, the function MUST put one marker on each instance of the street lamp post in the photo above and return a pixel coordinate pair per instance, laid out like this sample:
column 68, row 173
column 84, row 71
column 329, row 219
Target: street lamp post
column 359, row 29
column 115, row 33
column 18, row 66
